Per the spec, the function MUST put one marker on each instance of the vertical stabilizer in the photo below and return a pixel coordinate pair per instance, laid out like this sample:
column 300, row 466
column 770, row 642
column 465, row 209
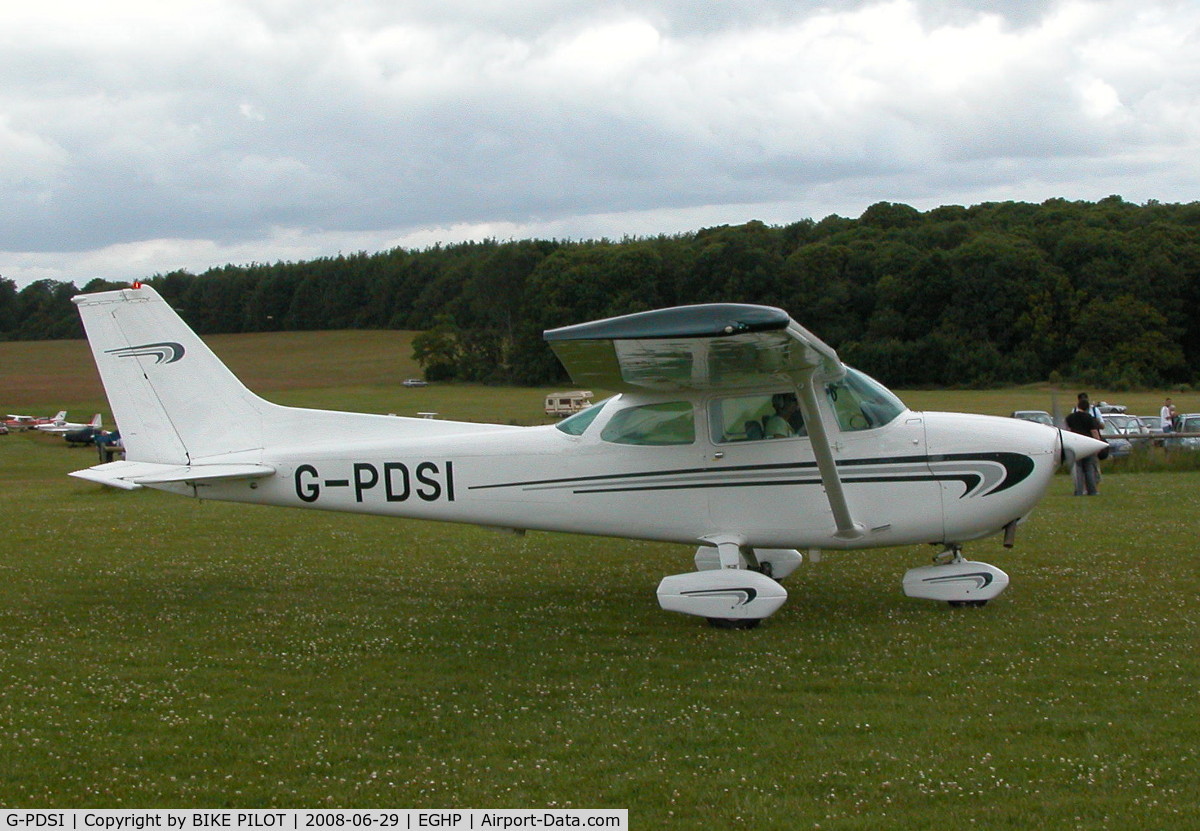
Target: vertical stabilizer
column 173, row 400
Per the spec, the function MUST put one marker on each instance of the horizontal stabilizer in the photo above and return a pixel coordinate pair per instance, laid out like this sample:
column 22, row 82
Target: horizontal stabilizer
column 133, row 475
column 103, row 477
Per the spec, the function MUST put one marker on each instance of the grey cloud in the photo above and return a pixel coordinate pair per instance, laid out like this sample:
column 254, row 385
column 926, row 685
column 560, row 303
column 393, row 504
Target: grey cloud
column 387, row 118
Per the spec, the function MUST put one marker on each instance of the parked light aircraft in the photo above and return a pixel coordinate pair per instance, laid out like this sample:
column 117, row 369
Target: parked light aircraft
column 61, row 425
column 15, row 421
column 684, row 453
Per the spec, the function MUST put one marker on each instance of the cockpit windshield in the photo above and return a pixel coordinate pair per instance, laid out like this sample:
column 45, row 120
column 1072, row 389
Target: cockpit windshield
column 861, row 402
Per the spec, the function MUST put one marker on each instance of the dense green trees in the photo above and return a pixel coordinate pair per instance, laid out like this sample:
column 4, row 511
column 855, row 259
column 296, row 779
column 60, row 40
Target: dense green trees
column 1103, row 292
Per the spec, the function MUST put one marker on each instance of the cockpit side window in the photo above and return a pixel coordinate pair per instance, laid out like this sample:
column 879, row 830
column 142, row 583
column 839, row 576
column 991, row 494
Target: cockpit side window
column 755, row 417
column 652, row 424
column 858, row 401
column 862, row 403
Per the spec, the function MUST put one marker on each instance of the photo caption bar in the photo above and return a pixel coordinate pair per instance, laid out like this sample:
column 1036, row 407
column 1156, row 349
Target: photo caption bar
column 172, row 819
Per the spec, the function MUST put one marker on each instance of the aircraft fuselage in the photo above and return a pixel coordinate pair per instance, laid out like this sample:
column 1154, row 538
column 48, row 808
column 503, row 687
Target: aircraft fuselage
column 921, row 478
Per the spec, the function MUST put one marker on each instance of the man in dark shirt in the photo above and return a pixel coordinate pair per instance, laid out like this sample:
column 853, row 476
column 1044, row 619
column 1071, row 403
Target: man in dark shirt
column 1087, row 471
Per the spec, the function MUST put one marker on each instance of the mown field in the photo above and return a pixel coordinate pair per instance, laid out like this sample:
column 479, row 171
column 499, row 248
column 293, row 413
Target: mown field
column 362, row 370
column 157, row 651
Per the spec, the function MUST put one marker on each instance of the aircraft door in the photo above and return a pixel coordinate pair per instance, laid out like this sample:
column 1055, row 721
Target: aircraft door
column 762, row 472
column 882, row 453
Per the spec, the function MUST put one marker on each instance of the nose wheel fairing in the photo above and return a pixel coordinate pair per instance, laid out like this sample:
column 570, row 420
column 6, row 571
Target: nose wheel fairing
column 965, row 583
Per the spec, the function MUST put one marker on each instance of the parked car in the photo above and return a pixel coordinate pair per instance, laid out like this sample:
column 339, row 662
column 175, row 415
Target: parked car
column 1122, row 432
column 1125, row 425
column 1038, row 416
column 3, row 429
column 1153, row 424
column 1119, row 448
column 1189, row 423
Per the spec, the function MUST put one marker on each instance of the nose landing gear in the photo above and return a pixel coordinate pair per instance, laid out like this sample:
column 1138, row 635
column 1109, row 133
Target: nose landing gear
column 957, row 581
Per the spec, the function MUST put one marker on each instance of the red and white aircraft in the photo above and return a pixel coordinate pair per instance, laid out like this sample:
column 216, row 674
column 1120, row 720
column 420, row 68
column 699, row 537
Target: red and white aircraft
column 14, row 421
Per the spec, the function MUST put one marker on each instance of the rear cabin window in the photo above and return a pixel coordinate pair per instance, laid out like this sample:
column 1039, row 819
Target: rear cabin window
column 652, row 424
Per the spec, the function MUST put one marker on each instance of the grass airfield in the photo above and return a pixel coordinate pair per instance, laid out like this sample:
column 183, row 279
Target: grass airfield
column 162, row 652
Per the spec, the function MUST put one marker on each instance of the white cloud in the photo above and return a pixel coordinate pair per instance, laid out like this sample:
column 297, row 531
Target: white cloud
column 166, row 135
column 26, row 158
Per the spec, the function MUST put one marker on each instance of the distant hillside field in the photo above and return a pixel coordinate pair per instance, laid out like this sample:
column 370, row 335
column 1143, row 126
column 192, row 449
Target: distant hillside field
column 362, row 370
column 41, row 374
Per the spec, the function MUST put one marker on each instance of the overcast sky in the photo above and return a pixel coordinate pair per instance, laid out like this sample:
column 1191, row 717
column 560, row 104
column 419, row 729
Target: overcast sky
column 142, row 137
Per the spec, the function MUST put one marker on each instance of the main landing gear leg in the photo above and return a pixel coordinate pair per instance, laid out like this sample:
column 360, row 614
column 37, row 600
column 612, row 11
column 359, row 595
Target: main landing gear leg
column 958, row 581
column 733, row 557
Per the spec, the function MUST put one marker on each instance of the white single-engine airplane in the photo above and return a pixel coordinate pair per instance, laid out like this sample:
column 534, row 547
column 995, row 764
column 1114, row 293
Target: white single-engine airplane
column 61, row 425
column 735, row 430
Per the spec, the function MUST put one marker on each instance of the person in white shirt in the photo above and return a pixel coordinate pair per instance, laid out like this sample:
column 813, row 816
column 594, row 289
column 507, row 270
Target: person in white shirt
column 1167, row 414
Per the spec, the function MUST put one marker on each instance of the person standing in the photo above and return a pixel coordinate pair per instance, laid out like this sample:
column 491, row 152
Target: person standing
column 1087, row 470
column 1095, row 411
column 1167, row 416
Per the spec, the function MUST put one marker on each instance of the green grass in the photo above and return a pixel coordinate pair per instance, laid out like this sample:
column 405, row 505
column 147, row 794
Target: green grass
column 157, row 651
column 1150, row 459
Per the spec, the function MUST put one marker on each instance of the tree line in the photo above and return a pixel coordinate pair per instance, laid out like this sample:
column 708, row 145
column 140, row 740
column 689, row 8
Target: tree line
column 1104, row 293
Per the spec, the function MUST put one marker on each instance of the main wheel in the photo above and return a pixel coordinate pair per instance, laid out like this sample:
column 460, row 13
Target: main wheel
column 733, row 622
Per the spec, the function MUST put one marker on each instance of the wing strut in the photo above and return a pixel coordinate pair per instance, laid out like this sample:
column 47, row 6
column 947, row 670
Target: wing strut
column 806, row 386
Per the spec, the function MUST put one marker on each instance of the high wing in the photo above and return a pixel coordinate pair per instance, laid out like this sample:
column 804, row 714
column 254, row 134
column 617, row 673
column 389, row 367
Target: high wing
column 714, row 346
column 704, row 347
